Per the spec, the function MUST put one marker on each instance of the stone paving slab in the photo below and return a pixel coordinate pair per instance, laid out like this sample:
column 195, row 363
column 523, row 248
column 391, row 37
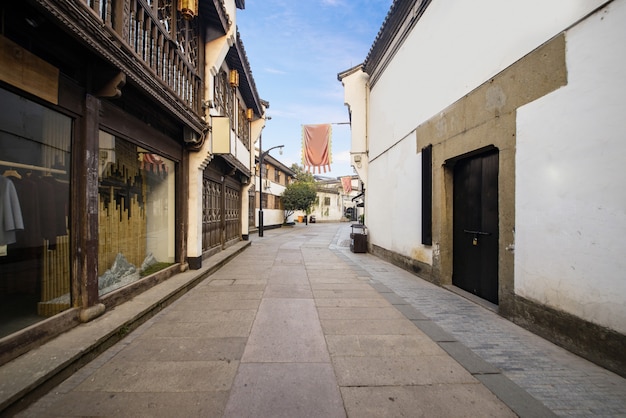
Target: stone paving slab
column 161, row 376
column 368, row 326
column 338, row 293
column 349, row 285
column 210, row 296
column 286, row 330
column 352, row 303
column 295, row 291
column 382, row 345
column 359, row 313
column 185, row 349
column 285, row 390
column 431, row 401
column 232, row 328
column 148, row 404
column 399, row 371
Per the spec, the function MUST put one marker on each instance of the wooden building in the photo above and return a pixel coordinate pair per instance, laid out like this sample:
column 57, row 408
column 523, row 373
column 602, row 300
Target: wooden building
column 125, row 135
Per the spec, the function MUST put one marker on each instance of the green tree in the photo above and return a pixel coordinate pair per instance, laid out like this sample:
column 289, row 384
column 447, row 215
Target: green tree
column 299, row 195
column 301, row 175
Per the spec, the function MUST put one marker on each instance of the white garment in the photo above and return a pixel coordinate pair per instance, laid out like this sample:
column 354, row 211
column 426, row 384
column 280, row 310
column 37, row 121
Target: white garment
column 10, row 212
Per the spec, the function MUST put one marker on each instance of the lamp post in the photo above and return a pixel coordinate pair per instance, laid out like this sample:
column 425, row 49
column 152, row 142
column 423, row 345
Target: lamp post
column 261, row 156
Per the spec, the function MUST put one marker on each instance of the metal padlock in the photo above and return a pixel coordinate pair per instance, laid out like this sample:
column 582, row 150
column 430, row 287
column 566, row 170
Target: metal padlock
column 475, row 241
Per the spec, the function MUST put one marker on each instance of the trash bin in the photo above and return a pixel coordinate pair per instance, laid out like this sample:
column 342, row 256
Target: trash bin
column 358, row 238
column 300, row 219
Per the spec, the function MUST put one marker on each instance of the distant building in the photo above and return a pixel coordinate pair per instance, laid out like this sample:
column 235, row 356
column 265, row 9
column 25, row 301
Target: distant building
column 334, row 201
column 276, row 177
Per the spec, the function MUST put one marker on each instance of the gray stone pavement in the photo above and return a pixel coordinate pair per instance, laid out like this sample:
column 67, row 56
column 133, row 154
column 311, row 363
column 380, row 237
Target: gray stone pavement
column 297, row 326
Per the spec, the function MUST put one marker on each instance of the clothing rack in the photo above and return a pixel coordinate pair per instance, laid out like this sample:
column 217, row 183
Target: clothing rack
column 31, row 167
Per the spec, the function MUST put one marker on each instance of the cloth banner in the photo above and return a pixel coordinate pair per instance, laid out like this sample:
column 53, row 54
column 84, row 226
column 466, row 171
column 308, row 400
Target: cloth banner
column 316, row 148
column 152, row 163
column 346, row 182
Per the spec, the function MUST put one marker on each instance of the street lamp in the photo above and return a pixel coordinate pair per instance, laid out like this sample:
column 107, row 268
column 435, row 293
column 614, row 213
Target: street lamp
column 261, row 156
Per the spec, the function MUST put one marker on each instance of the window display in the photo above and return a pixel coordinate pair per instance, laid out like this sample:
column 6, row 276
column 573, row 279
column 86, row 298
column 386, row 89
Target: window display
column 34, row 212
column 136, row 213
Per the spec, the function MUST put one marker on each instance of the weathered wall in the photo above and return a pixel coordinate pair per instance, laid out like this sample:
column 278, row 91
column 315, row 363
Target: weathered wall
column 486, row 117
column 550, row 99
column 434, row 67
column 571, row 199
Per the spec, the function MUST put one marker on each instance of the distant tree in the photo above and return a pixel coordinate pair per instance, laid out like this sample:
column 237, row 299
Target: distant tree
column 298, row 195
column 302, row 175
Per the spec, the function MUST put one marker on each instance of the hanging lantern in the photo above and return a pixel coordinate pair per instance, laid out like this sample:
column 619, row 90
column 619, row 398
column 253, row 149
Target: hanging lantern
column 188, row 8
column 249, row 114
column 233, row 78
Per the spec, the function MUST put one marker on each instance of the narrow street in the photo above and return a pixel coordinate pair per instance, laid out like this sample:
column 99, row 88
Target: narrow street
column 297, row 325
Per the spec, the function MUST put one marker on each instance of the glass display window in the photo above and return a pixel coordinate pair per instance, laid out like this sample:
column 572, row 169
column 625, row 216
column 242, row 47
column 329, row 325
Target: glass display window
column 136, row 213
column 35, row 144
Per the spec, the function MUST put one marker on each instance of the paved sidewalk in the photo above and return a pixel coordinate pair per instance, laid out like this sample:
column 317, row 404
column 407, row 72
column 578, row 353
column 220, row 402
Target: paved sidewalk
column 565, row 383
column 297, row 325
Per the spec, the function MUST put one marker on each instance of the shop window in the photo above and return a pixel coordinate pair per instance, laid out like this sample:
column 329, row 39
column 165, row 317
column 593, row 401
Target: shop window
column 136, row 213
column 327, row 201
column 35, row 147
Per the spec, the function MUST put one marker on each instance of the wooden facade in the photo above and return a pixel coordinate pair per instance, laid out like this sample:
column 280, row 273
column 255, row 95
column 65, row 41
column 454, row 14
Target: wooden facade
column 132, row 71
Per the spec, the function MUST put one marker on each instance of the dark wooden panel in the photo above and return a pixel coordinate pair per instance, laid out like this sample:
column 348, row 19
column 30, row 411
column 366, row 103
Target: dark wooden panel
column 475, row 226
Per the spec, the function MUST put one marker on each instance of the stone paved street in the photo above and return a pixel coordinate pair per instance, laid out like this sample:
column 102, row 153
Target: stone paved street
column 297, row 326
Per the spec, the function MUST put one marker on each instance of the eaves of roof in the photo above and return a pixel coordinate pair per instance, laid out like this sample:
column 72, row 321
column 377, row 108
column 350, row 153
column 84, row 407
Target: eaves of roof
column 273, row 161
column 214, row 13
column 237, row 59
column 400, row 19
column 349, row 71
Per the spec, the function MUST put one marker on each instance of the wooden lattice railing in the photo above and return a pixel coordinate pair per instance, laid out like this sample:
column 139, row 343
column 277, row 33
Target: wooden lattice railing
column 165, row 42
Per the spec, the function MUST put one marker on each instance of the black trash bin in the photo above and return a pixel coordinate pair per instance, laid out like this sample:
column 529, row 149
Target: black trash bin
column 358, row 238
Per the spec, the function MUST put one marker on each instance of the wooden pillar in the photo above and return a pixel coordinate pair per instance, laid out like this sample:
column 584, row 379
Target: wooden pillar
column 85, row 207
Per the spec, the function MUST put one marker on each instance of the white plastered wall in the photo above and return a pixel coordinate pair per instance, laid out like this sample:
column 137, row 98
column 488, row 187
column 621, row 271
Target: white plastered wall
column 456, row 46
column 571, row 172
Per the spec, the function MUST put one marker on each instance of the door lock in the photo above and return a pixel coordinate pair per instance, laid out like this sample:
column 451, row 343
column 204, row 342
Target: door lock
column 476, row 234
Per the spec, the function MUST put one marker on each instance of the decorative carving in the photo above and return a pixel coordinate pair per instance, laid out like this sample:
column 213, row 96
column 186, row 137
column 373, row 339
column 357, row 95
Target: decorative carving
column 113, row 88
column 106, row 41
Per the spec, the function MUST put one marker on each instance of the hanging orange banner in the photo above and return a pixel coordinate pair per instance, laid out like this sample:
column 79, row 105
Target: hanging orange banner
column 316, row 147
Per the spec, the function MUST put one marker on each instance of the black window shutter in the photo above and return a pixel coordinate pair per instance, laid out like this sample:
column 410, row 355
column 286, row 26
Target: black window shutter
column 427, row 195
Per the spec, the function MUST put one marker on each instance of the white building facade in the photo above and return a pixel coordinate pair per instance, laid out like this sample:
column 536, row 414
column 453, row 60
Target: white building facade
column 276, row 178
column 335, row 202
column 495, row 129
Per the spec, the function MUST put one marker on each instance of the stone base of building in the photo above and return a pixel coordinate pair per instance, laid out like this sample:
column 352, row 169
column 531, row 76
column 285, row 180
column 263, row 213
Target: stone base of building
column 600, row 345
column 416, row 267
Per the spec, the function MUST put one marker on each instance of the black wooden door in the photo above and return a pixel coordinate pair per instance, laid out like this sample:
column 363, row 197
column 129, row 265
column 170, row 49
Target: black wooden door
column 475, row 224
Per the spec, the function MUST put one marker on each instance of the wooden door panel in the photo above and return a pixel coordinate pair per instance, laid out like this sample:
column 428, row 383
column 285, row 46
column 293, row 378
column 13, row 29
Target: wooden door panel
column 475, row 226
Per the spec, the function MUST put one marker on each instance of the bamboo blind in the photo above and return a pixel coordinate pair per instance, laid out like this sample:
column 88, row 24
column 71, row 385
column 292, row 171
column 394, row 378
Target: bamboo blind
column 55, row 282
column 121, row 231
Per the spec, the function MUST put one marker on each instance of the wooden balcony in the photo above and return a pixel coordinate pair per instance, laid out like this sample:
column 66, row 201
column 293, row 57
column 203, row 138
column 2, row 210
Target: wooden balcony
column 162, row 41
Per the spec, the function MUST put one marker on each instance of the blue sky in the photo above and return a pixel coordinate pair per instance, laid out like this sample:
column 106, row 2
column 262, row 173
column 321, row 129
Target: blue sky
column 296, row 49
